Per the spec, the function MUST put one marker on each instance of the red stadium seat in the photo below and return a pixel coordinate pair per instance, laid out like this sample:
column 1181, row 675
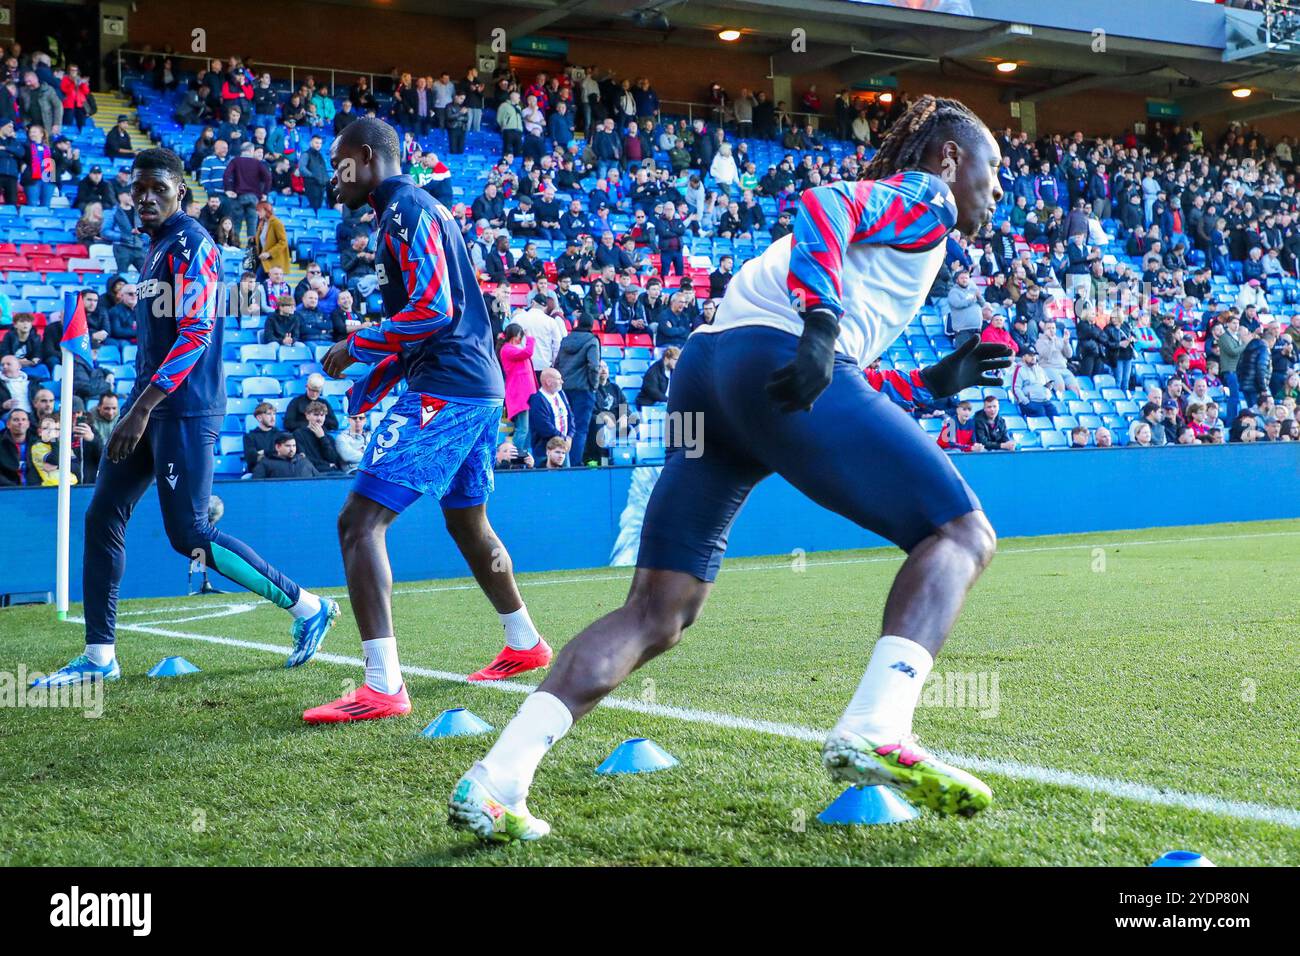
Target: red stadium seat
column 71, row 250
column 13, row 262
column 640, row 340
column 611, row 338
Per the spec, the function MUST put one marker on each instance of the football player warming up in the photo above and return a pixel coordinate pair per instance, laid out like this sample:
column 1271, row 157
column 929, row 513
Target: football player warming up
column 777, row 382
column 168, row 429
column 439, row 437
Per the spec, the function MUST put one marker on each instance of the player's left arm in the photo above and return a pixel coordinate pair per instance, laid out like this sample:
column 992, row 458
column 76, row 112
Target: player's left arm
column 428, row 308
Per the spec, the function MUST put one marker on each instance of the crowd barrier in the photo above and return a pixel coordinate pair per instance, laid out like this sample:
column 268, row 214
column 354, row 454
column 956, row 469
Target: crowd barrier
column 583, row 518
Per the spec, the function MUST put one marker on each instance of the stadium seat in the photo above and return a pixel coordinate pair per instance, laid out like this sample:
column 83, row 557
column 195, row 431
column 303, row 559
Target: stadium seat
column 1040, row 423
column 258, row 353
column 1054, row 439
column 259, row 386
column 649, row 454
column 231, row 444
column 229, row 466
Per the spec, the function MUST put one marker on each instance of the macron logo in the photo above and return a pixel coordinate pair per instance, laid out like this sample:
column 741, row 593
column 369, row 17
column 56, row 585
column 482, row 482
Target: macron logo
column 904, row 667
column 76, row 909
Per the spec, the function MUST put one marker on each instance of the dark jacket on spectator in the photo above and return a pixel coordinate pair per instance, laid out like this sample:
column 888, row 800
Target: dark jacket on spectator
column 541, row 423
column 11, row 459
column 579, row 361
column 258, row 440
column 247, row 176
column 295, row 416
column 273, row 467
column 654, row 387
column 990, row 434
column 321, row 452
column 1255, row 368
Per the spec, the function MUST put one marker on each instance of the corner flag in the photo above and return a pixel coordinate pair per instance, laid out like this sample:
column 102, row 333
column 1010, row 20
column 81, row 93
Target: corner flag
column 76, row 331
column 75, row 343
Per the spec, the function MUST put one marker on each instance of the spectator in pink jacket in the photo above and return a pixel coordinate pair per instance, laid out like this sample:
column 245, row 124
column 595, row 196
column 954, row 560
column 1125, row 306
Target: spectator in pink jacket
column 517, row 364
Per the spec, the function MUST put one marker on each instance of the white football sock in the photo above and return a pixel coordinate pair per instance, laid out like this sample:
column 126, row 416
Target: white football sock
column 510, row 764
column 520, row 632
column 101, row 655
column 883, row 704
column 308, row 604
column 383, row 670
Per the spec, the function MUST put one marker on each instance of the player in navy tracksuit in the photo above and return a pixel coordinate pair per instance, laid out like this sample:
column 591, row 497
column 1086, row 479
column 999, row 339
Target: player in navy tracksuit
column 168, row 429
column 439, row 439
column 776, row 386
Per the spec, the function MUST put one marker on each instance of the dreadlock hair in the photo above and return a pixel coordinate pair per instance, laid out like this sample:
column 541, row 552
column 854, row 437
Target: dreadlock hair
column 928, row 119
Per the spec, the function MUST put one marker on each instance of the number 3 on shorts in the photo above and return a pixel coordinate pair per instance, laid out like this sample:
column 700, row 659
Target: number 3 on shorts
column 389, row 437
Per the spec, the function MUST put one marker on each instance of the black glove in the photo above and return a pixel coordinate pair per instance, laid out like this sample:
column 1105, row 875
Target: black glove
column 796, row 386
column 975, row 363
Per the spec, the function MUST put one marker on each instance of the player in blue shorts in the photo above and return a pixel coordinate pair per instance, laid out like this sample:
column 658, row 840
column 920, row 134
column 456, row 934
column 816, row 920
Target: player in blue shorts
column 168, row 429
column 777, row 385
column 439, row 439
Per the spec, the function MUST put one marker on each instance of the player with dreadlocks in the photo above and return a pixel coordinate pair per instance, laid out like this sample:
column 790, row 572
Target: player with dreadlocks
column 776, row 383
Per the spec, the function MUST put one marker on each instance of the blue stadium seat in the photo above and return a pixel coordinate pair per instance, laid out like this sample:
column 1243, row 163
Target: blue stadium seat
column 1064, row 421
column 1054, row 439
column 231, row 444
column 1040, row 423
column 1015, row 423
column 258, row 353
column 649, row 454
column 296, row 353
column 621, row 455
column 259, row 385
column 229, row 466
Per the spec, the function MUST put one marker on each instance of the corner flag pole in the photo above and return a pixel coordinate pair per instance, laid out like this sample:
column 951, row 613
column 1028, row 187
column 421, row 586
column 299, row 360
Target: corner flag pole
column 65, row 483
column 75, row 343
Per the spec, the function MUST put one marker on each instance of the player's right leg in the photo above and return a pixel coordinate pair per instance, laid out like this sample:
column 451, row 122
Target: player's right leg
column 892, row 479
column 683, row 540
column 464, row 510
column 118, row 487
column 363, row 530
column 417, row 450
column 184, row 464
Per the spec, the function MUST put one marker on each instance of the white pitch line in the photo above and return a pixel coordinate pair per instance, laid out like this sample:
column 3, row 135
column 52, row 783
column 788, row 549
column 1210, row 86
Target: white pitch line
column 877, row 559
column 176, row 607
column 228, row 611
column 1104, row 786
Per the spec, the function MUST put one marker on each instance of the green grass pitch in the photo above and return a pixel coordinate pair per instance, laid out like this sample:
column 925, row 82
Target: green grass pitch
column 1145, row 701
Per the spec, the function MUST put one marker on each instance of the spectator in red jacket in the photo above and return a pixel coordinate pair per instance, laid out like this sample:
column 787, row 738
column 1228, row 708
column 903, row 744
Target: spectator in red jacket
column 996, row 331
column 959, row 432
column 75, row 92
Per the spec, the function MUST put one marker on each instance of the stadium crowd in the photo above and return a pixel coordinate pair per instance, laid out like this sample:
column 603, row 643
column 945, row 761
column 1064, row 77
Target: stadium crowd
column 1146, row 281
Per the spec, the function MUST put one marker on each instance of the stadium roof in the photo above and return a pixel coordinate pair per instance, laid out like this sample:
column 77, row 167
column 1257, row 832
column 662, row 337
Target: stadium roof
column 1183, row 58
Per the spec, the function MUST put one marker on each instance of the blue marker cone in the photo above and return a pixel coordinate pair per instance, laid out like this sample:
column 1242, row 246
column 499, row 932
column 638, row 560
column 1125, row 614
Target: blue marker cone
column 637, row 755
column 173, row 667
column 457, row 722
column 1182, row 858
column 868, row 805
